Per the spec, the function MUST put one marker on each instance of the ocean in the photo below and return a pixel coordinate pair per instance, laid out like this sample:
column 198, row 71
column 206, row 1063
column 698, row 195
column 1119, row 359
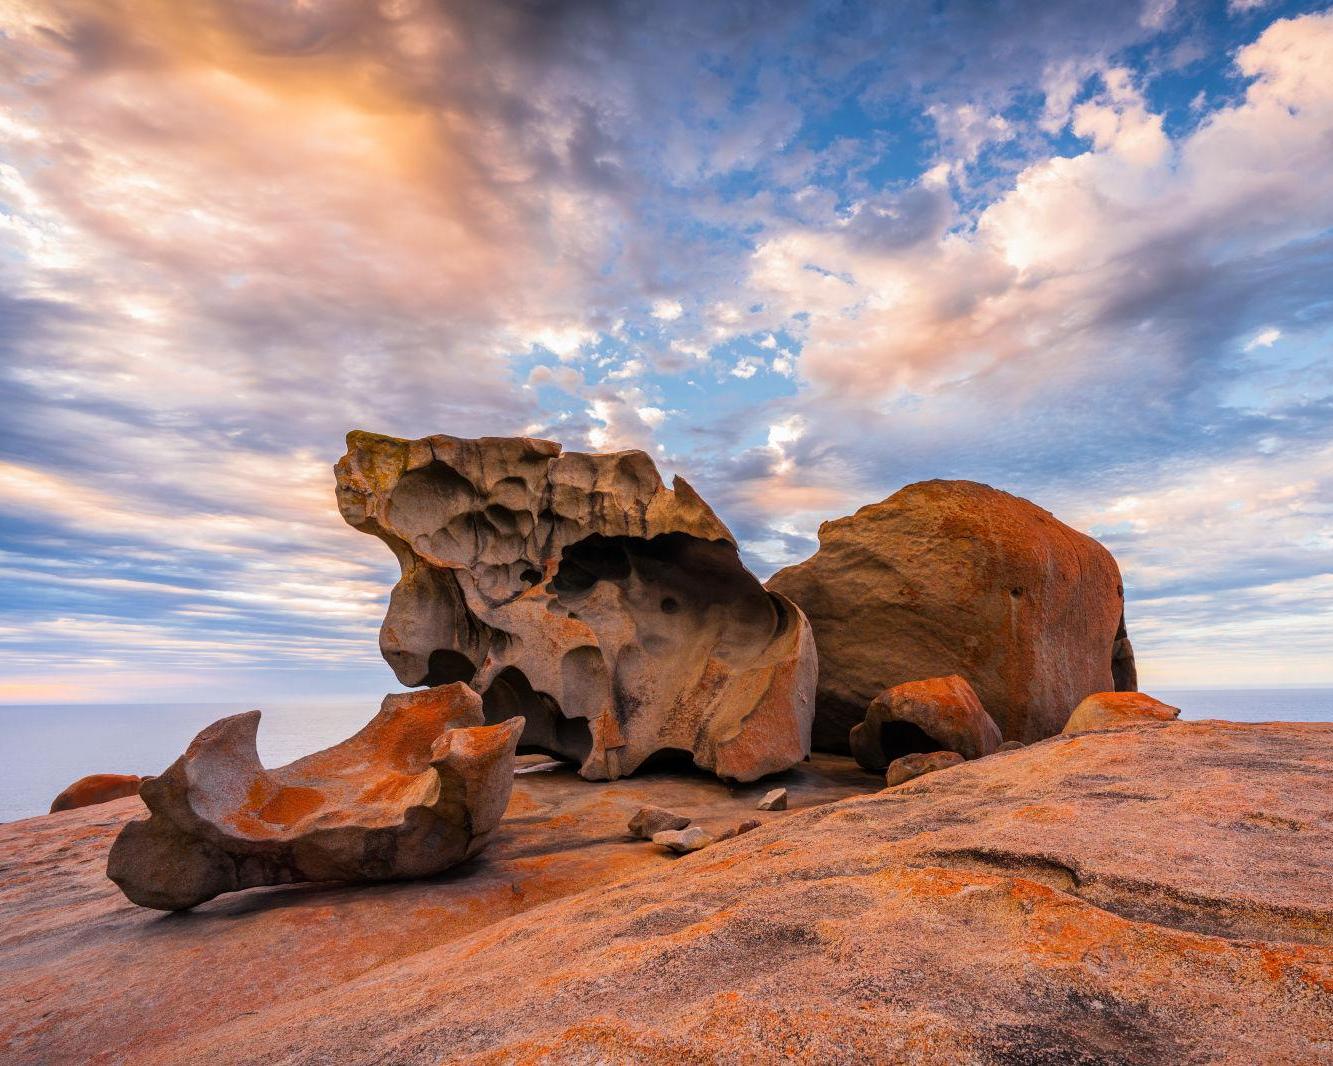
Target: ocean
column 44, row 748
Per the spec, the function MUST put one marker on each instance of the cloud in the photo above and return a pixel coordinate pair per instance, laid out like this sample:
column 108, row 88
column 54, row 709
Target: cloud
column 1265, row 338
column 964, row 242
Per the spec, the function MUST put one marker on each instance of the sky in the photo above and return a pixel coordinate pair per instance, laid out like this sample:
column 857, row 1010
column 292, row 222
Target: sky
column 802, row 253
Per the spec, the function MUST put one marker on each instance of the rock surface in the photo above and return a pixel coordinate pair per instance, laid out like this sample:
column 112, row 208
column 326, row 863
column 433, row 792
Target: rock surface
column 938, row 714
column 578, row 591
column 775, row 800
column 419, row 789
column 649, row 821
column 953, row 577
column 96, row 788
column 683, row 840
column 907, row 767
column 1067, row 903
column 86, row 976
column 1111, row 710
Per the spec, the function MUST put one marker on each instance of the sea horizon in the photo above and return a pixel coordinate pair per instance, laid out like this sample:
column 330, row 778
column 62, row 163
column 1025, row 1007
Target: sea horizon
column 45, row 747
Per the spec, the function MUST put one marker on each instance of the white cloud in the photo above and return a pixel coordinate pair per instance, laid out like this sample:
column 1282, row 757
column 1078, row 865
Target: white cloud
column 1265, row 338
column 630, row 368
column 667, row 310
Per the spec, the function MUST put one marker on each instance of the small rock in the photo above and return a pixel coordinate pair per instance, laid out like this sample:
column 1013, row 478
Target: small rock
column 910, row 766
column 1011, row 745
column 737, row 830
column 96, row 788
column 774, row 801
column 683, row 840
column 1113, row 710
column 653, row 820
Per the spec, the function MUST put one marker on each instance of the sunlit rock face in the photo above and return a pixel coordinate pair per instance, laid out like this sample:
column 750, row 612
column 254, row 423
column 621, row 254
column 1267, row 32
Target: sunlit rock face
column 955, row 577
column 418, row 790
column 575, row 589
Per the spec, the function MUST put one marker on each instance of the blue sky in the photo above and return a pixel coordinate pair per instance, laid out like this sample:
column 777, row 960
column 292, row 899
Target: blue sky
column 802, row 253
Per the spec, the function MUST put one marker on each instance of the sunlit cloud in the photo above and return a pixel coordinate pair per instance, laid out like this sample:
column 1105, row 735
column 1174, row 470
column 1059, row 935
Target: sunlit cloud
column 1084, row 255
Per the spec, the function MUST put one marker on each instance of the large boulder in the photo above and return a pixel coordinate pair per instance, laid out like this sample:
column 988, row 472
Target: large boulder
column 578, row 591
column 938, row 714
column 418, row 790
column 96, row 788
column 953, row 577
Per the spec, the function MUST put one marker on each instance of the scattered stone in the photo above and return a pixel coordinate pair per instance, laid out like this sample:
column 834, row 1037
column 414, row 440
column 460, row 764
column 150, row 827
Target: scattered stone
column 737, row 830
column 927, row 762
column 653, row 820
column 573, row 588
column 1011, row 745
column 1112, row 710
column 683, row 840
column 939, row 714
column 953, row 577
column 419, row 789
column 776, row 800
column 96, row 788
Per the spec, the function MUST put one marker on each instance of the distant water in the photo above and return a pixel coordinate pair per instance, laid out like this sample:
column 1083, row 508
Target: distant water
column 44, row 748
column 1251, row 704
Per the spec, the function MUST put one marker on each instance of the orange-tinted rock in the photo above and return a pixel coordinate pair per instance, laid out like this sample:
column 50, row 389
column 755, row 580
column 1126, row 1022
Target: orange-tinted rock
column 1112, row 710
column 649, row 821
column 86, row 976
column 419, row 789
column 575, row 589
column 938, row 714
column 96, row 788
column 953, row 577
column 1067, row 903
column 907, row 767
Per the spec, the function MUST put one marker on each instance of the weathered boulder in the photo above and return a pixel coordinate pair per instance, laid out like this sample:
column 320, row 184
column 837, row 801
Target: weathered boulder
column 774, row 800
column 907, row 767
column 649, row 821
column 1113, row 710
column 938, row 714
column 611, row 612
column 96, row 788
column 953, row 577
column 1011, row 745
column 416, row 791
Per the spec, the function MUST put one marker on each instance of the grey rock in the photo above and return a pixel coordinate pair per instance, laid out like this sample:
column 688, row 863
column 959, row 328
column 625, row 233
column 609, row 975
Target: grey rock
column 683, row 840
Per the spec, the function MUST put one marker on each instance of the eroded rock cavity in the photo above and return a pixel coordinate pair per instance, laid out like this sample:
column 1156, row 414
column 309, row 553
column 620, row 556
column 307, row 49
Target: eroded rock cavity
column 419, row 789
column 612, row 613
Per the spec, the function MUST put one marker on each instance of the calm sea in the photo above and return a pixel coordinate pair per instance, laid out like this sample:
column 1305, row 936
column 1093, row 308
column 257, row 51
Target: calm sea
column 44, row 748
